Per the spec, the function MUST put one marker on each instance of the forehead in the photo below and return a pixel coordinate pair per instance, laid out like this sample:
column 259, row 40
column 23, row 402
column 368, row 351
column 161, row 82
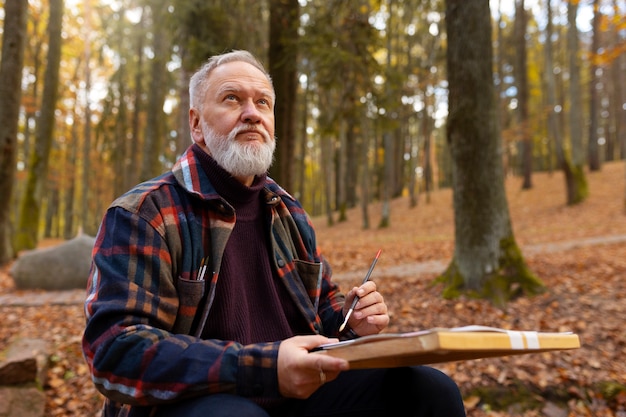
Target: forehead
column 238, row 76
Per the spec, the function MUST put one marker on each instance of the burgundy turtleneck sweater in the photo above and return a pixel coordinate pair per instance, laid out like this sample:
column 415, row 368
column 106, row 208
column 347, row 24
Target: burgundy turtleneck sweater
column 250, row 305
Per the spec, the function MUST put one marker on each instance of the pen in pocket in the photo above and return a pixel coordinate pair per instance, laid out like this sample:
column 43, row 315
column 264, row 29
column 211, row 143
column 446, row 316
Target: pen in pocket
column 202, row 269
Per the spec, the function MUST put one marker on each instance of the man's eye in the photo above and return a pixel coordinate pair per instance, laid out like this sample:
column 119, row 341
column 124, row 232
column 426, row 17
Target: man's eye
column 231, row 97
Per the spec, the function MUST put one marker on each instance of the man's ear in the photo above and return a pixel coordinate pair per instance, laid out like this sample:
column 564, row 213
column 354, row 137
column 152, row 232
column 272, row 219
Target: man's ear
column 194, row 126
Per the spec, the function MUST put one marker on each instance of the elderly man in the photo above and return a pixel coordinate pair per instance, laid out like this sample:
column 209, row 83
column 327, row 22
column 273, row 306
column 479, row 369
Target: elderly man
column 207, row 291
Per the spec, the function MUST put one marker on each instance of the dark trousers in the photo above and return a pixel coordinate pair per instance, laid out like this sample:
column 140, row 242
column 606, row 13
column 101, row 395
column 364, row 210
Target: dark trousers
column 412, row 391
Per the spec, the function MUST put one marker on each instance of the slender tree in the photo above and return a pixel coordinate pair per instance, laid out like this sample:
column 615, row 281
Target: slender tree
column 499, row 87
column 153, row 148
column 619, row 79
column 283, row 55
column 593, row 153
column 387, row 139
column 487, row 262
column 522, row 93
column 85, row 183
column 13, row 45
column 30, row 209
column 71, row 158
column 577, row 187
column 133, row 168
column 554, row 130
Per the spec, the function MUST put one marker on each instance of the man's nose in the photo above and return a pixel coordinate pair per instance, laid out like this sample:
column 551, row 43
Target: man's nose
column 250, row 113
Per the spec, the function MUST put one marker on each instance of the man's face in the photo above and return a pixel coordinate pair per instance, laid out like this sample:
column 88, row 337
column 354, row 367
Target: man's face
column 237, row 120
column 243, row 160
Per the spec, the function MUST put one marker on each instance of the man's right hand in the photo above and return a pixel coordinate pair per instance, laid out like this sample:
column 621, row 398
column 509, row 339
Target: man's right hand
column 300, row 373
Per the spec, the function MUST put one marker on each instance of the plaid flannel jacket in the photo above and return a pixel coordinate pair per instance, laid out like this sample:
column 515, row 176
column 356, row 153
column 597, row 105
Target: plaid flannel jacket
column 146, row 307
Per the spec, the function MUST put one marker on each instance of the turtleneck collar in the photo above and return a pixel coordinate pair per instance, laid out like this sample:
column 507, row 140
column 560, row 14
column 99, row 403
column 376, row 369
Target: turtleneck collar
column 225, row 184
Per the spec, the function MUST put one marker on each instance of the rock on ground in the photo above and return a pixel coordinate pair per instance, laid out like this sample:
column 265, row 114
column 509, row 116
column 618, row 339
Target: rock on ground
column 61, row 267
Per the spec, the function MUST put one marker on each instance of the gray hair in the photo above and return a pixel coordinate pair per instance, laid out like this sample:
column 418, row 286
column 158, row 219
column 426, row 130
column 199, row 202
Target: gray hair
column 197, row 83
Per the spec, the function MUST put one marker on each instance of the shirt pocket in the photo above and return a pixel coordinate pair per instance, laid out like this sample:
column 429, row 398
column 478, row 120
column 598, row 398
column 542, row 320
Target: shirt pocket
column 190, row 295
column 311, row 276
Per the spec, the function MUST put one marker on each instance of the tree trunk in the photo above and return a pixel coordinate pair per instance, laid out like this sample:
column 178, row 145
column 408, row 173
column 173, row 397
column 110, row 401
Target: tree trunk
column 153, row 148
column 413, row 142
column 86, row 183
column 301, row 168
column 13, row 46
column 619, row 79
column 499, row 87
column 352, row 159
column 138, row 91
column 30, row 208
column 577, row 188
column 71, row 157
column 593, row 154
column 553, row 123
column 284, row 22
column 120, row 129
column 327, row 175
column 183, row 140
column 365, row 172
column 385, row 213
column 387, row 184
column 426, row 129
column 522, row 96
column 342, row 165
column 51, row 222
column 487, row 261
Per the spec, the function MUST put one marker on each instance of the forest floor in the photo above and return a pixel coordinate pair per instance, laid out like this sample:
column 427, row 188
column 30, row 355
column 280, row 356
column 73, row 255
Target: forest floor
column 579, row 252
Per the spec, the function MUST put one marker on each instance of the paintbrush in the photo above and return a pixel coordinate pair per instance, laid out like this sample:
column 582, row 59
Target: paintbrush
column 356, row 297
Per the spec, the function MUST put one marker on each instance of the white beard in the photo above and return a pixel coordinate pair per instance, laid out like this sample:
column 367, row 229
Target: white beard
column 240, row 159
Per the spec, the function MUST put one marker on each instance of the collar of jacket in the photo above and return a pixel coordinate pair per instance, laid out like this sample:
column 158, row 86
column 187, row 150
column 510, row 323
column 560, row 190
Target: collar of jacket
column 189, row 174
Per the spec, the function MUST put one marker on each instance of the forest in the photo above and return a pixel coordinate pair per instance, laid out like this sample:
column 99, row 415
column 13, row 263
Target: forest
column 377, row 100
column 363, row 88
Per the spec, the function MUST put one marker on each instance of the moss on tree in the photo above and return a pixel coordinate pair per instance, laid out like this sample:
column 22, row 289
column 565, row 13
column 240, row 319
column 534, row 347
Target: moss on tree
column 575, row 182
column 512, row 278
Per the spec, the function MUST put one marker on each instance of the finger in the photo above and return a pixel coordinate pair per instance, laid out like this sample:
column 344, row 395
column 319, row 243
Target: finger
column 309, row 342
column 327, row 376
column 373, row 299
column 378, row 320
column 321, row 361
column 366, row 288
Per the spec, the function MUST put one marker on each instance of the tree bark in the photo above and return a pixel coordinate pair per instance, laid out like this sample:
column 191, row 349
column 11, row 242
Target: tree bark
column 132, row 174
column 487, row 261
column 522, row 95
column 30, row 208
column 86, row 185
column 153, row 148
column 593, row 154
column 13, row 46
column 577, row 188
column 551, row 102
column 283, row 53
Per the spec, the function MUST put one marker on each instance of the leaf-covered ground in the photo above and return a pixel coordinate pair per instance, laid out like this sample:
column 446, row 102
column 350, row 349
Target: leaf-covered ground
column 579, row 252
